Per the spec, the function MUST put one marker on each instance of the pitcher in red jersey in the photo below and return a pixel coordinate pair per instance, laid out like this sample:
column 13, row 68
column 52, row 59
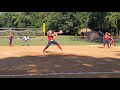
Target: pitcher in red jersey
column 106, row 39
column 10, row 36
column 51, row 39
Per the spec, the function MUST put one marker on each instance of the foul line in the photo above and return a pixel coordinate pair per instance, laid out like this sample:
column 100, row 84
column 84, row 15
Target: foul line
column 51, row 74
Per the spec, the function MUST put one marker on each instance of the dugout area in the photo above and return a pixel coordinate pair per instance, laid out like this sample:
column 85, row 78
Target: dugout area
column 75, row 61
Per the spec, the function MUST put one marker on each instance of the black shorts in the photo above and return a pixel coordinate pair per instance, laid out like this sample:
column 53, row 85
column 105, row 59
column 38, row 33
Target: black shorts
column 52, row 42
column 106, row 41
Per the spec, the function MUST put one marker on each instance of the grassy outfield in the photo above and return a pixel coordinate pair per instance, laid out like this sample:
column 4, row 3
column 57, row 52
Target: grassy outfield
column 43, row 43
column 38, row 41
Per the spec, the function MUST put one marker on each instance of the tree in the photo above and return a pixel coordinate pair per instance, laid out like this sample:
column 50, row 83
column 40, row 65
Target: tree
column 97, row 21
column 112, row 19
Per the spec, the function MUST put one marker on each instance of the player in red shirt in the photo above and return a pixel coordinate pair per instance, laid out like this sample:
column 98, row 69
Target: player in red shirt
column 10, row 36
column 51, row 39
column 106, row 39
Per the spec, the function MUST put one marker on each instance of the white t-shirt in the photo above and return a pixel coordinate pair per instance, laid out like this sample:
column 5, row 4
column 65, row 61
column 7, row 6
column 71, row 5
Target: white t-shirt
column 25, row 38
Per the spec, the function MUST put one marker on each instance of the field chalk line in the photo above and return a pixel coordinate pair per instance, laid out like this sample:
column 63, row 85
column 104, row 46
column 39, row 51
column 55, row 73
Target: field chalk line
column 51, row 74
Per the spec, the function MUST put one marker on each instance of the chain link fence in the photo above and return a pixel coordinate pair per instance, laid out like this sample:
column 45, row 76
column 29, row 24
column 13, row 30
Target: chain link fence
column 36, row 36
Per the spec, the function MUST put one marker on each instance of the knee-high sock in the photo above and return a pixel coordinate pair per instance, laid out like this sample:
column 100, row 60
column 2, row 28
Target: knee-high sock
column 103, row 45
column 108, row 45
column 59, row 47
column 44, row 49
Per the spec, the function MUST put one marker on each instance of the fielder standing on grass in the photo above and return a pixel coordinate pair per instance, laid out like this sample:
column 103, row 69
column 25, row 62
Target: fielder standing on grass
column 26, row 39
column 10, row 36
column 51, row 39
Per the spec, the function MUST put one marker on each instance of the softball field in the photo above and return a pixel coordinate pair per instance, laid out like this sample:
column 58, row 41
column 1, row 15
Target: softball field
column 90, row 61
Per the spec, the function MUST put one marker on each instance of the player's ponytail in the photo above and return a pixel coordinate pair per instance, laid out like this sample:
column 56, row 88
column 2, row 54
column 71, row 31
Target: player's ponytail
column 48, row 33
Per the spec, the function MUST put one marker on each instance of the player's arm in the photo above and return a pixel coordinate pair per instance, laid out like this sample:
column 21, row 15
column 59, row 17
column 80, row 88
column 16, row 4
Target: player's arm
column 28, row 38
column 56, row 32
column 52, row 34
column 24, row 38
column 60, row 32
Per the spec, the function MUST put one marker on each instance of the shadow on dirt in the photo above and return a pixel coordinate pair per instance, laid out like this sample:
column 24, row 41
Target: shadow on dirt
column 60, row 63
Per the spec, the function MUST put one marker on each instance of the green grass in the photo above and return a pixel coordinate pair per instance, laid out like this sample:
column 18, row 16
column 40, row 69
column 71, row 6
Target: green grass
column 43, row 43
column 62, row 40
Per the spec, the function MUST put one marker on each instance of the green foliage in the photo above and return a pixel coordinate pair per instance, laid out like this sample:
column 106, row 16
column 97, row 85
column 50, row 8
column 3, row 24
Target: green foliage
column 69, row 22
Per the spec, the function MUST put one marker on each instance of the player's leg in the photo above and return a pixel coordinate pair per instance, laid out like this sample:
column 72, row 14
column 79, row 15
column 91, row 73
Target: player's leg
column 104, row 42
column 23, row 42
column 54, row 42
column 49, row 43
column 10, row 43
column 28, row 43
column 108, row 43
column 113, row 43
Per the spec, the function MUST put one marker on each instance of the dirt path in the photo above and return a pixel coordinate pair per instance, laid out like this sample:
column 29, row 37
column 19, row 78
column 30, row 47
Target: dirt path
column 94, row 51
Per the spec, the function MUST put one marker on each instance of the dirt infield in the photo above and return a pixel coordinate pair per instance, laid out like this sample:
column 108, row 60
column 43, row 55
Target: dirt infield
column 72, row 62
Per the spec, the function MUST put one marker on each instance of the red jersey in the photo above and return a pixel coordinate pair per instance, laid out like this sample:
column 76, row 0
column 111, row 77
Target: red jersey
column 10, row 36
column 106, row 37
column 50, row 38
